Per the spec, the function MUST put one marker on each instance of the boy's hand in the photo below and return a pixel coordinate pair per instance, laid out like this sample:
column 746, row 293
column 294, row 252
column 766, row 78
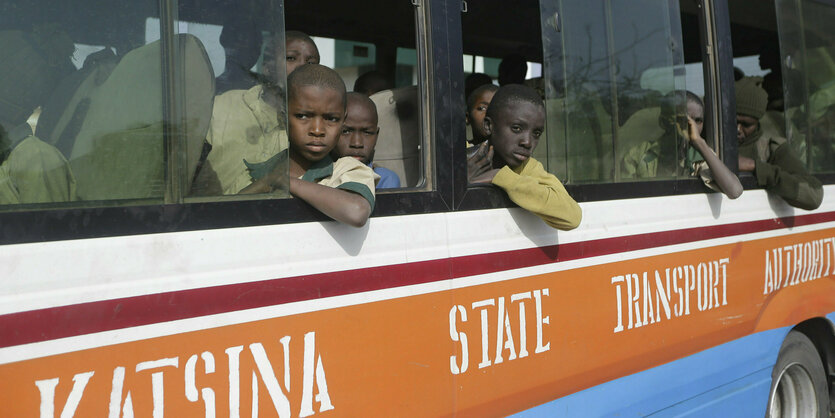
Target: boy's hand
column 479, row 162
column 274, row 180
column 486, row 177
column 278, row 179
column 693, row 135
column 746, row 164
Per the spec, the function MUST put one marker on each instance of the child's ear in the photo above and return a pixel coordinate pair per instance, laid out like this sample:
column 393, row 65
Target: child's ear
column 488, row 126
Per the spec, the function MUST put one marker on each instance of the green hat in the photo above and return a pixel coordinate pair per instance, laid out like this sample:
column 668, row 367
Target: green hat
column 751, row 98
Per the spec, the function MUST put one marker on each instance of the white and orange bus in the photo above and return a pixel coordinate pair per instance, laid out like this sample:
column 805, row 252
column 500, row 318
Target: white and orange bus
column 124, row 293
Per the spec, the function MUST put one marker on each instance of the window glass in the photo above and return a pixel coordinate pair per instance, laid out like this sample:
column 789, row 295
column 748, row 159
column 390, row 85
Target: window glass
column 245, row 137
column 112, row 103
column 501, row 46
column 616, row 75
column 81, row 103
column 375, row 52
column 807, row 44
column 406, row 70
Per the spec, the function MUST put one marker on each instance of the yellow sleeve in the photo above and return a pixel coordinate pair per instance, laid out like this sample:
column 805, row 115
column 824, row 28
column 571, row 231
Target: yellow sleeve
column 541, row 193
column 352, row 175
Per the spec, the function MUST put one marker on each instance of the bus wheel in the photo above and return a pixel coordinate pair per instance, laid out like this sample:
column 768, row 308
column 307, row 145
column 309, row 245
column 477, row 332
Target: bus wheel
column 798, row 382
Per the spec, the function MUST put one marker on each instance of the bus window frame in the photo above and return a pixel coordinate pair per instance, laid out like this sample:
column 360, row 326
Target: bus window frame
column 83, row 220
column 451, row 192
column 717, row 59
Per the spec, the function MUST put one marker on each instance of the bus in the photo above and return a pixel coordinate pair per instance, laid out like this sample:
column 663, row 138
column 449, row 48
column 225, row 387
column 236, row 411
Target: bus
column 129, row 289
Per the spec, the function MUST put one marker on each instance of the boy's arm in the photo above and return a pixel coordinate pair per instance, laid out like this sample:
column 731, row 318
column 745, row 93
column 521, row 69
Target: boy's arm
column 727, row 181
column 341, row 205
column 541, row 193
column 786, row 176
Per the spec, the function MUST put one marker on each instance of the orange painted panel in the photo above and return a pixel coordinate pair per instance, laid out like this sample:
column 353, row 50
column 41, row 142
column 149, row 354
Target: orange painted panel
column 546, row 336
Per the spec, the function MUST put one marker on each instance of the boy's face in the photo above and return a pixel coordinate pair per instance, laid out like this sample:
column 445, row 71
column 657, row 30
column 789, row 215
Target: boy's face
column 745, row 127
column 515, row 131
column 315, row 118
column 697, row 113
column 300, row 52
column 359, row 133
column 476, row 114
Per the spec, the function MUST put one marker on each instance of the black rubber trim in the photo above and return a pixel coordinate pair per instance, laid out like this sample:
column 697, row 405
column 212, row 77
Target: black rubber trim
column 80, row 223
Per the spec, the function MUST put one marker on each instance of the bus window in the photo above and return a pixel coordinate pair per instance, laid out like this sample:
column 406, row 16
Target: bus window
column 112, row 104
column 807, row 63
column 501, row 46
column 616, row 75
column 81, row 103
column 247, row 136
column 756, row 49
column 383, row 63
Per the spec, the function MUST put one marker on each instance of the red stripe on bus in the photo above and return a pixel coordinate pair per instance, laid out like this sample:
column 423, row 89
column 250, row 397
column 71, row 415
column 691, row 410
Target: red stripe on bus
column 86, row 318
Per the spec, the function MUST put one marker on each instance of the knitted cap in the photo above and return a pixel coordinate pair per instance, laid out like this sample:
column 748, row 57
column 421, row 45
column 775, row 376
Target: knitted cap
column 751, row 98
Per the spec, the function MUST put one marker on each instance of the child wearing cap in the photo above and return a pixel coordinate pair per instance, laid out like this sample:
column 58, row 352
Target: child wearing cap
column 768, row 156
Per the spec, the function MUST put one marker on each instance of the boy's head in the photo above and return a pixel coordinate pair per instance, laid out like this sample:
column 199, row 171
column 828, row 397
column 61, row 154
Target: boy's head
column 751, row 104
column 315, row 110
column 241, row 42
column 359, row 131
column 474, row 81
column 515, row 120
column 512, row 70
column 696, row 110
column 299, row 49
column 673, row 122
column 371, row 82
column 477, row 105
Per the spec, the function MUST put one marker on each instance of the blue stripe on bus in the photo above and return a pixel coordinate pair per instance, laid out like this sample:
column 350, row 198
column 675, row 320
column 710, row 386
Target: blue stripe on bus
column 685, row 386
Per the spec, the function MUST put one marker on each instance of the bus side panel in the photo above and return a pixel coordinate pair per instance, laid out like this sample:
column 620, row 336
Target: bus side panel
column 690, row 384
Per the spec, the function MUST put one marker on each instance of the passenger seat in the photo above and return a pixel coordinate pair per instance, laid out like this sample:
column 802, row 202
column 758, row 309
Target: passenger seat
column 398, row 145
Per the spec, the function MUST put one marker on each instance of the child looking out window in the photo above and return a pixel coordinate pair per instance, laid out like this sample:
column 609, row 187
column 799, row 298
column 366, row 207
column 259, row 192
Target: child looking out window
column 343, row 190
column 514, row 122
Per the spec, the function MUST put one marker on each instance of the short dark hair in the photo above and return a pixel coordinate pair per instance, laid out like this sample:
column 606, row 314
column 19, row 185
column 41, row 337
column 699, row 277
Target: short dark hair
column 294, row 34
column 512, row 69
column 316, row 75
column 676, row 99
column 510, row 93
column 270, row 41
column 693, row 97
column 481, row 89
column 371, row 82
column 362, row 99
column 474, row 81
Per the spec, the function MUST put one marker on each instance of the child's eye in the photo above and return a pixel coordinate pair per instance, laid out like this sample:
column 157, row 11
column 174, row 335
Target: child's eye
column 537, row 133
column 289, row 58
column 332, row 118
column 516, row 128
column 300, row 116
column 346, row 131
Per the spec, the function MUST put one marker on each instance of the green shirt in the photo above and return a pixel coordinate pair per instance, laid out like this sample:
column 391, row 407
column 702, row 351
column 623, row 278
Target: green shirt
column 780, row 171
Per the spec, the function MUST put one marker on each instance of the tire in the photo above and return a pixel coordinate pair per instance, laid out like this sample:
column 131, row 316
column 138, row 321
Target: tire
column 798, row 381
